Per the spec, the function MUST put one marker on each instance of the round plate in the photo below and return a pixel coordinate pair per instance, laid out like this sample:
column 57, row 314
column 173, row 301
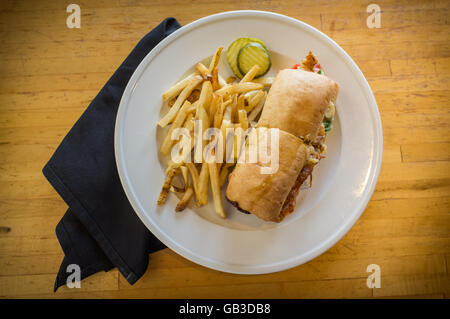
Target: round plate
column 342, row 183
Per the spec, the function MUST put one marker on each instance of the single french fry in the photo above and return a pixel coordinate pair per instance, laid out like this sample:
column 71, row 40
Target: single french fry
column 238, row 88
column 189, row 125
column 192, row 109
column 266, row 81
column 205, row 95
column 184, row 173
column 203, row 70
column 203, row 185
column 227, row 114
column 179, row 120
column 225, row 90
column 241, row 102
column 253, row 114
column 202, row 115
column 250, row 94
column 253, row 102
column 234, row 108
column 219, row 113
column 238, row 139
column 243, row 120
column 166, row 187
column 177, row 88
column 224, row 173
column 193, row 97
column 182, row 204
column 170, row 116
column 171, row 166
column 230, row 79
column 227, row 102
column 215, row 59
column 213, row 108
column 226, row 123
column 215, row 187
column 215, row 79
column 250, row 74
column 243, row 87
column 195, row 177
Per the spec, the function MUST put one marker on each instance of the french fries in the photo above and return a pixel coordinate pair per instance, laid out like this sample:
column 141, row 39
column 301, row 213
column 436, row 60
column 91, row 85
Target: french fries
column 177, row 88
column 241, row 102
column 238, row 88
column 184, row 173
column 204, row 119
column 225, row 90
column 182, row 204
column 166, row 187
column 179, row 120
column 215, row 79
column 252, row 116
column 251, row 74
column 205, row 96
column 230, row 79
column 203, row 185
column 202, row 198
column 215, row 186
column 213, row 108
column 243, row 120
column 195, row 177
column 266, row 81
column 254, row 101
column 215, row 59
column 246, row 87
column 203, row 70
column 224, row 173
column 222, row 81
column 234, row 102
column 219, row 113
column 168, row 118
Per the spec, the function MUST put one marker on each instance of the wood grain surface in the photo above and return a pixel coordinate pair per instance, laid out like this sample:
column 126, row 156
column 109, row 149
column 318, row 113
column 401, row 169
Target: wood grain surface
column 50, row 73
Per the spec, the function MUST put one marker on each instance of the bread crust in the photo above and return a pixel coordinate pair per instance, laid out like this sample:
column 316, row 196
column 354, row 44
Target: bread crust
column 264, row 194
column 297, row 102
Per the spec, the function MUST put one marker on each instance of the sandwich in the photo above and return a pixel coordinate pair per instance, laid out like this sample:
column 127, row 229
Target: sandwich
column 263, row 195
column 300, row 104
column 297, row 102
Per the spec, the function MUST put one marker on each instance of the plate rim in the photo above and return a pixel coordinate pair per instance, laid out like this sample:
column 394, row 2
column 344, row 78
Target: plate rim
column 273, row 267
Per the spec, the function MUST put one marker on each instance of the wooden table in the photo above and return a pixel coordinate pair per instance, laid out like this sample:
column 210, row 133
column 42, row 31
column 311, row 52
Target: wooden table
column 50, row 73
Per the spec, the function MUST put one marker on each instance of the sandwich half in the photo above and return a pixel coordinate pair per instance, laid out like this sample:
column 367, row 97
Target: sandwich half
column 298, row 104
column 264, row 195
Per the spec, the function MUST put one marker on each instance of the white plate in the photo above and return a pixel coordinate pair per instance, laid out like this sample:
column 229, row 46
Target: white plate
column 342, row 183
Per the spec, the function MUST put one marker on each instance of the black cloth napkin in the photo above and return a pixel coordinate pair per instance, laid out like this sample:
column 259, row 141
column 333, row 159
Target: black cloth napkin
column 100, row 230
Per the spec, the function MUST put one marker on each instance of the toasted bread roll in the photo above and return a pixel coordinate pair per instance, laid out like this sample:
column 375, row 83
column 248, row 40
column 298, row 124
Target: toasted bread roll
column 264, row 194
column 297, row 101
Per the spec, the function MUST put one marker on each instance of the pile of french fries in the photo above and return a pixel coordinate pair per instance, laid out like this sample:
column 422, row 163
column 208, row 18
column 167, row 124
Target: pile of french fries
column 205, row 96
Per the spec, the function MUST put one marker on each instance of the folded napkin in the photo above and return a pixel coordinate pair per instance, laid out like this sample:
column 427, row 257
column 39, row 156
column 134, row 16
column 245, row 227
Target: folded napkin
column 100, row 230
